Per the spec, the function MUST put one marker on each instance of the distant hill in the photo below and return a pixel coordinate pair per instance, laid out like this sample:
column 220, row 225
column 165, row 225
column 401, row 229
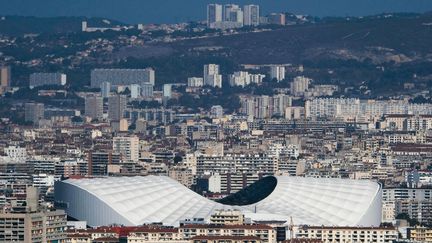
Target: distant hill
column 19, row 25
column 384, row 38
column 383, row 51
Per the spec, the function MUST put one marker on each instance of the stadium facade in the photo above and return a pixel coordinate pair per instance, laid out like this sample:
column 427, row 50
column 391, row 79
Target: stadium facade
column 157, row 199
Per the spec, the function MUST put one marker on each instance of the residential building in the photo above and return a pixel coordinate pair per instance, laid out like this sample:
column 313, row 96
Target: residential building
column 299, row 85
column 5, row 78
column 236, row 163
column 276, row 18
column 195, row 82
column 116, row 107
column 147, row 234
column 16, row 153
column 182, row 174
column 31, row 224
column 420, row 234
column 214, row 15
column 223, row 233
column 329, row 234
column 265, row 106
column 216, row 111
column 167, row 91
column 147, row 90
column 233, row 14
column 105, row 89
column 239, row 79
column 127, row 147
column 98, row 162
column 251, row 15
column 212, row 76
column 122, row 76
column 277, row 72
column 41, row 79
column 94, row 106
column 135, row 91
column 34, row 112
column 227, row 217
column 420, row 210
column 43, row 226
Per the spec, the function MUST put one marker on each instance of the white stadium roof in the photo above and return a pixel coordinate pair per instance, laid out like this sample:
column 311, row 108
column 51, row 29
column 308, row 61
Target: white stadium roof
column 149, row 199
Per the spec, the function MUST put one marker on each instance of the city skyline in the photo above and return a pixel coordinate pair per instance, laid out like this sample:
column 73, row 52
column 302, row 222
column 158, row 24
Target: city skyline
column 171, row 11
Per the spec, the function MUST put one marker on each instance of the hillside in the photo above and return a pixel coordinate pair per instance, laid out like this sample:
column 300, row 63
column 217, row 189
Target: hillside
column 381, row 52
column 402, row 38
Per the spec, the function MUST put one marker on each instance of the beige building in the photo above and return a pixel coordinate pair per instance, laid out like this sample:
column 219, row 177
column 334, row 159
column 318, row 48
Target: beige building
column 227, row 217
column 5, row 79
column 420, row 234
column 182, row 174
column 388, row 211
column 96, row 235
column 127, row 147
column 347, row 234
column 33, row 227
column 294, row 113
column 263, row 232
column 155, row 234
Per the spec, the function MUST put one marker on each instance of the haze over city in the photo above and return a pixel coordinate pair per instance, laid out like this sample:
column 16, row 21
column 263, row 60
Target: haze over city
column 216, row 122
column 171, row 11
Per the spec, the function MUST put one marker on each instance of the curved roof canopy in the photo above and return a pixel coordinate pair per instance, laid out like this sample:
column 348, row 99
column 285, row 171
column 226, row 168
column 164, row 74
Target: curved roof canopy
column 139, row 200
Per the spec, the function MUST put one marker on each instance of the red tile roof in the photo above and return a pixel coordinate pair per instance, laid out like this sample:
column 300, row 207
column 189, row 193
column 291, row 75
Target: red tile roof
column 224, row 237
column 210, row 226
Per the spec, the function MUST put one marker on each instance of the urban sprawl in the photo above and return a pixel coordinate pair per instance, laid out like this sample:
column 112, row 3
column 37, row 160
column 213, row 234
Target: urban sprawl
column 130, row 159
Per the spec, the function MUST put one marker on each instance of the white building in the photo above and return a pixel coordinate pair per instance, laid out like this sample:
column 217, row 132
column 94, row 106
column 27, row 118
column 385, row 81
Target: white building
column 212, row 76
column 147, row 90
column 216, row 111
column 277, row 72
column 195, row 82
column 284, row 151
column 214, row 15
column 257, row 78
column 237, row 163
column 239, row 79
column 127, row 147
column 228, row 16
column 233, row 14
column 44, row 180
column 40, row 79
column 135, row 91
column 243, row 79
column 167, row 91
column 16, row 153
column 300, row 85
column 265, row 106
column 251, row 15
column 351, row 108
column 105, row 89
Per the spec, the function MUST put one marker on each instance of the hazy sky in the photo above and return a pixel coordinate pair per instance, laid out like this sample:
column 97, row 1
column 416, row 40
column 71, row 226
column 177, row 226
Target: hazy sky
column 168, row 11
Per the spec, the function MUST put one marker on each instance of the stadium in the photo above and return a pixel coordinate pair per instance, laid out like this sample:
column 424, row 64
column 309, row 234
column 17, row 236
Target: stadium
column 141, row 200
